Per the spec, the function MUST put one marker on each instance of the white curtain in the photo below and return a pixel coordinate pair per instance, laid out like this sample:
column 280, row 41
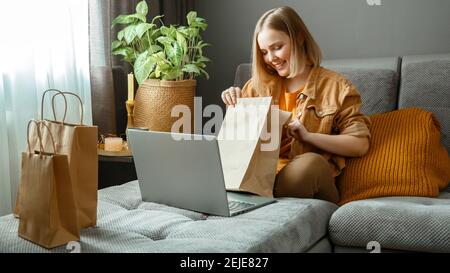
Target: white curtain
column 43, row 44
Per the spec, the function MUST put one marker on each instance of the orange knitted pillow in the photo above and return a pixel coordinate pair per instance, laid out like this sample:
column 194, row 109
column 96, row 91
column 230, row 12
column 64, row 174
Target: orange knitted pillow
column 405, row 158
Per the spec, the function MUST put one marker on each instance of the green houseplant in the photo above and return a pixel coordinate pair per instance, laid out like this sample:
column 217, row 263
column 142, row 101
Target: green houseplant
column 165, row 60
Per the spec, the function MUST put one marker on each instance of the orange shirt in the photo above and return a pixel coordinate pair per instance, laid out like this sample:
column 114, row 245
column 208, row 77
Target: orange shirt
column 288, row 102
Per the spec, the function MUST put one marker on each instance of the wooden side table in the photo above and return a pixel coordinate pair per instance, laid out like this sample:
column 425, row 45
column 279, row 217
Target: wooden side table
column 115, row 170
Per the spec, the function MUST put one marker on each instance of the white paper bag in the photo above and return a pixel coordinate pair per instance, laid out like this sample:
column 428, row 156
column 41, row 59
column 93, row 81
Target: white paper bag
column 249, row 148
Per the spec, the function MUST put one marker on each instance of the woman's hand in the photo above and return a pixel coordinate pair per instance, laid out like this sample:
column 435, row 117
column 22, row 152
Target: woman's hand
column 230, row 95
column 296, row 130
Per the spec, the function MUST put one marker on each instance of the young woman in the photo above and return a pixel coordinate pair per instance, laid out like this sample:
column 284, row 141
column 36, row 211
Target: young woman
column 327, row 125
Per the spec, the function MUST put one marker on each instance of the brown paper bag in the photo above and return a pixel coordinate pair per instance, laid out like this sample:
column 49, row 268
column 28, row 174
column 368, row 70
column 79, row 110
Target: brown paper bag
column 79, row 143
column 46, row 204
column 249, row 144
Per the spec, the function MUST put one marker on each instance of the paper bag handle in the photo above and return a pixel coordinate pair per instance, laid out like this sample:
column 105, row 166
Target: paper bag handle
column 65, row 111
column 53, row 106
column 38, row 123
column 38, row 132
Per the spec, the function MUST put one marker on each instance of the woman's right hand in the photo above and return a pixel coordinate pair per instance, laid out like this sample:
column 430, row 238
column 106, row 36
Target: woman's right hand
column 230, row 95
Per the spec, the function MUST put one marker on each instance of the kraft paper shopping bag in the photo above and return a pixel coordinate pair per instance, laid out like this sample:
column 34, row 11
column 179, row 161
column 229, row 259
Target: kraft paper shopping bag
column 249, row 144
column 79, row 143
column 47, row 208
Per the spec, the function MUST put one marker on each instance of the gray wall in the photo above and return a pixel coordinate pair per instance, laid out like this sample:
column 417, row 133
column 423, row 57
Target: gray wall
column 343, row 29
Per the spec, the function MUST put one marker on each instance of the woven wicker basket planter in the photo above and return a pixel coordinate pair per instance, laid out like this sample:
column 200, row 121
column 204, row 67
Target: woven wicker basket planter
column 155, row 100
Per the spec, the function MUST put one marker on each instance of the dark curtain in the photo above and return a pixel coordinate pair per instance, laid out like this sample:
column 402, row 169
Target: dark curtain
column 108, row 73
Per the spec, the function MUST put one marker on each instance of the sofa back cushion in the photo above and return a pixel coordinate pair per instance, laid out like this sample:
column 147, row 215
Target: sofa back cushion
column 425, row 83
column 377, row 80
column 405, row 158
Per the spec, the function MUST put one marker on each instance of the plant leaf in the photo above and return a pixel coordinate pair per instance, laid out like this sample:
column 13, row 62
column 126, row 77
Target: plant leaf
column 204, row 73
column 131, row 58
column 116, row 44
column 124, row 51
column 120, row 35
column 169, row 31
column 161, row 68
column 193, row 32
column 173, row 32
column 171, row 74
column 200, row 47
column 155, row 34
column 200, row 65
column 160, row 55
column 158, row 71
column 202, row 59
column 191, row 17
column 155, row 48
column 142, row 8
column 178, row 54
column 129, row 33
column 200, row 22
column 122, row 20
column 139, row 16
column 183, row 30
column 182, row 41
column 165, row 40
column 170, row 53
column 164, row 30
column 143, row 43
column 191, row 68
column 142, row 28
column 143, row 66
column 160, row 59
column 202, row 44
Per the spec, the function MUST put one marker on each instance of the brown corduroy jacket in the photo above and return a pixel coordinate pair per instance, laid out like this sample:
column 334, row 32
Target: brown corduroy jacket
column 330, row 104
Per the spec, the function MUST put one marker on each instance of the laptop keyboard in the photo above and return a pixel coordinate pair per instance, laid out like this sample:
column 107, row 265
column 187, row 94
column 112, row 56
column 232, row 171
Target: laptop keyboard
column 238, row 205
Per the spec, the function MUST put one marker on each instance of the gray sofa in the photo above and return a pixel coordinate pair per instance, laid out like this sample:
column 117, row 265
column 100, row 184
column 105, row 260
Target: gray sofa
column 399, row 223
column 126, row 224
column 394, row 223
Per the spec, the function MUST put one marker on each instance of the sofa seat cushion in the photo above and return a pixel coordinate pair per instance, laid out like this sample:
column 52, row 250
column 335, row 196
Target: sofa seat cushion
column 397, row 223
column 126, row 224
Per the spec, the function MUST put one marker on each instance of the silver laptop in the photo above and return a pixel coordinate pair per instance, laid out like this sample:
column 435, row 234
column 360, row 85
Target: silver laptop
column 186, row 173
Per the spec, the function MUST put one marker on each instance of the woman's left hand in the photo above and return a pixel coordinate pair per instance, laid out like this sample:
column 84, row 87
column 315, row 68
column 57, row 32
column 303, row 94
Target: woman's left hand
column 297, row 130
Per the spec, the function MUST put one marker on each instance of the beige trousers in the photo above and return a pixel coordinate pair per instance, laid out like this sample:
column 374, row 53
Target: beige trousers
column 306, row 176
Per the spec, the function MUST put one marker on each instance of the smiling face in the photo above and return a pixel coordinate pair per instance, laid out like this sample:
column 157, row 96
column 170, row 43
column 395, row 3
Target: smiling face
column 282, row 46
column 275, row 48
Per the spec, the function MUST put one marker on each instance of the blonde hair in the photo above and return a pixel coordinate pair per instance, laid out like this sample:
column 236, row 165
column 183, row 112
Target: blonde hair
column 304, row 49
